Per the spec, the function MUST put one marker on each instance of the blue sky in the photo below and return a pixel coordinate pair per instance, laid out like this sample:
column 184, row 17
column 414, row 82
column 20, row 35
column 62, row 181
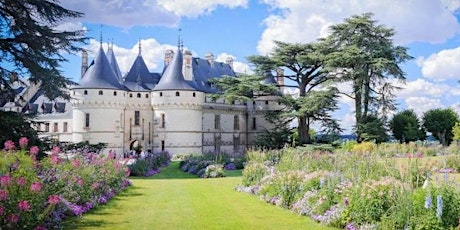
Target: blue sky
column 239, row 28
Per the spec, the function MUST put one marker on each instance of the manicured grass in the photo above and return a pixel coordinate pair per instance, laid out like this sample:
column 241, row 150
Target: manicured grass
column 177, row 200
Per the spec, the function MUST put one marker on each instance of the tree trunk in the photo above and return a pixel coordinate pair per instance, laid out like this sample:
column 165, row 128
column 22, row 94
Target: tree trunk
column 304, row 136
column 358, row 111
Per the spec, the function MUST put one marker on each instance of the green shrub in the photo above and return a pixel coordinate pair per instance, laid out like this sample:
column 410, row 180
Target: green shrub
column 214, row 171
column 253, row 173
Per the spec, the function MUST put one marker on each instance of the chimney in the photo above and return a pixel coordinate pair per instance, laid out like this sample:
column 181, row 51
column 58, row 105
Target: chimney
column 187, row 66
column 210, row 58
column 229, row 61
column 280, row 78
column 168, row 56
column 84, row 62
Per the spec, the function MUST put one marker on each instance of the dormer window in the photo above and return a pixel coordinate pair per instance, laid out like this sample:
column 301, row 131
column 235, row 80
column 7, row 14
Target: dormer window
column 100, row 92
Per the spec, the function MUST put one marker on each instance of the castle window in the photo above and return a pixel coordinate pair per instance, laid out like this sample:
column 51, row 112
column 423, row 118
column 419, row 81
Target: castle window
column 85, row 92
column 73, row 92
column 254, row 124
column 114, row 93
column 146, row 95
column 55, row 127
column 194, row 94
column 236, row 122
column 161, row 94
column 177, row 94
column 163, row 120
column 86, row 120
column 217, row 121
column 100, row 92
column 266, row 102
column 162, row 145
column 130, row 95
column 65, row 129
column 138, row 95
column 254, row 103
column 136, row 117
column 47, row 127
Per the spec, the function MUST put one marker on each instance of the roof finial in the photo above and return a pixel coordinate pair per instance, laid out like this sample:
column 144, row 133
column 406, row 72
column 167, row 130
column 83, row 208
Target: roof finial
column 139, row 46
column 100, row 41
column 178, row 39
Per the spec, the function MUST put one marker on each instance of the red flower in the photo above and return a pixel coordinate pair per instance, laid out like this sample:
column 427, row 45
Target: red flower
column 36, row 187
column 3, row 194
column 24, row 205
column 9, row 145
column 54, row 199
column 23, row 142
column 21, row 181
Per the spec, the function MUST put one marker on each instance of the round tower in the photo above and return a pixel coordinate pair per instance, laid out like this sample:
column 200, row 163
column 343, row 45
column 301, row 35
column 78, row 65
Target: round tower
column 178, row 111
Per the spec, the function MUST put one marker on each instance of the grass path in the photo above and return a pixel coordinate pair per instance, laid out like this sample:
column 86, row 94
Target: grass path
column 176, row 200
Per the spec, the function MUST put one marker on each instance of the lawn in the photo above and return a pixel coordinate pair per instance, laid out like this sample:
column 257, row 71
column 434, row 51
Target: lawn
column 176, row 200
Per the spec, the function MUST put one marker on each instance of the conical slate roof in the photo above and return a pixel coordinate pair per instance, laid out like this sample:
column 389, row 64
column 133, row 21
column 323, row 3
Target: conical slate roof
column 172, row 78
column 139, row 77
column 269, row 78
column 100, row 75
column 114, row 64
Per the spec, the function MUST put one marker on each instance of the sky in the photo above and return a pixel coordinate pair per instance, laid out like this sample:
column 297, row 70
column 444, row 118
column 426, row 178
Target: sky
column 240, row 28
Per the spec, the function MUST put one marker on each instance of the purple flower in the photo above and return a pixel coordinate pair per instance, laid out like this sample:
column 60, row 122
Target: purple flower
column 3, row 195
column 36, row 187
column 13, row 218
column 350, row 226
column 21, row 181
column 24, row 205
column 6, row 180
column 439, row 206
column 428, row 201
column 34, row 150
column 345, row 201
column 9, row 145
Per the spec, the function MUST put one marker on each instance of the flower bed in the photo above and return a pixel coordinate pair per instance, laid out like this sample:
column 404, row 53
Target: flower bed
column 41, row 194
column 355, row 190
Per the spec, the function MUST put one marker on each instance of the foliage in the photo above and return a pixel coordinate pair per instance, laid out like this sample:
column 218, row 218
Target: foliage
column 456, row 132
column 33, row 25
column 253, row 173
column 214, row 171
column 362, row 52
column 241, row 88
column 406, row 127
column 372, row 128
column 278, row 136
column 150, row 165
column 40, row 194
column 440, row 123
column 304, row 62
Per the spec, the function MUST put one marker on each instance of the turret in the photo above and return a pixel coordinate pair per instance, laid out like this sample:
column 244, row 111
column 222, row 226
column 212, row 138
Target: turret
column 84, row 62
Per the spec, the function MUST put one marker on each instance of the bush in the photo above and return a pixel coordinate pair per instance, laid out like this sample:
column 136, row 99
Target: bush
column 214, row 171
column 253, row 173
column 150, row 165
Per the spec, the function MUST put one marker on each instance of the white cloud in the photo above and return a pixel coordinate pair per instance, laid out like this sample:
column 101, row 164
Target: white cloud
column 152, row 52
column 123, row 13
column 305, row 21
column 194, row 8
column 422, row 87
column 238, row 67
column 70, row 26
column 422, row 104
column 452, row 5
column 442, row 65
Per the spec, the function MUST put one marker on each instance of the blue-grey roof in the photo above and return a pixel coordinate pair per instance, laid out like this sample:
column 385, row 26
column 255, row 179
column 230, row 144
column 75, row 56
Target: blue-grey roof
column 203, row 71
column 139, row 77
column 114, row 64
column 100, row 75
column 172, row 78
column 269, row 78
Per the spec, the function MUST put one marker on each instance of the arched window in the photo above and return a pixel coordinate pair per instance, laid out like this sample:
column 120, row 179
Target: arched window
column 194, row 94
column 146, row 95
column 100, row 92
column 177, row 94
column 85, row 92
column 114, row 93
column 130, row 95
column 161, row 94
column 138, row 95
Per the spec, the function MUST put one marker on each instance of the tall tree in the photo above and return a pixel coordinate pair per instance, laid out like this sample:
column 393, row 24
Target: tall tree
column 303, row 65
column 363, row 53
column 440, row 123
column 406, row 127
column 31, row 46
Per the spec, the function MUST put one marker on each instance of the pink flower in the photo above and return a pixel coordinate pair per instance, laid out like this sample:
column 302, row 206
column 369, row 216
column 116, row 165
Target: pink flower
column 75, row 163
column 2, row 211
column 5, row 180
column 13, row 218
column 55, row 159
column 9, row 145
column 24, row 205
column 23, row 142
column 95, row 185
column 56, row 150
column 21, row 181
column 80, row 182
column 3, row 195
column 34, row 150
column 54, row 199
column 39, row 228
column 36, row 187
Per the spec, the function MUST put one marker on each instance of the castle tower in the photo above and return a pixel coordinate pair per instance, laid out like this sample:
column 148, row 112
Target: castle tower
column 178, row 111
column 98, row 92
